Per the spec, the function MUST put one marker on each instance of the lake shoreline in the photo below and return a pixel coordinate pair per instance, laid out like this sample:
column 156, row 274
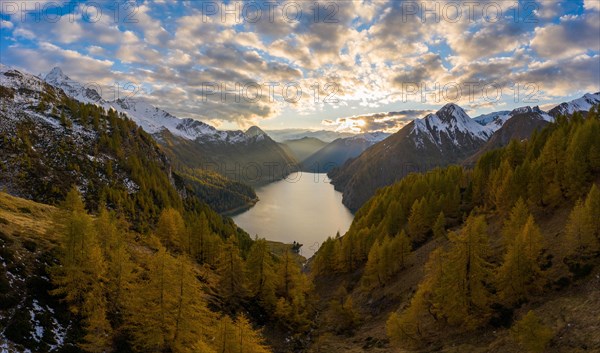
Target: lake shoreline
column 303, row 207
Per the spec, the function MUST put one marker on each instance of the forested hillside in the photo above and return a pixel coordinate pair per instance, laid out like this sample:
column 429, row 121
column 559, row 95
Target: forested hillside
column 452, row 255
column 89, row 283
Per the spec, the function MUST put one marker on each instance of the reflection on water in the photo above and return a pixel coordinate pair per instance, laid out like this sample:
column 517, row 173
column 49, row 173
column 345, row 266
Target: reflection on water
column 304, row 208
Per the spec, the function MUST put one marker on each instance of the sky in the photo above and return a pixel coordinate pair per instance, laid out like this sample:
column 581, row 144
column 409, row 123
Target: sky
column 336, row 65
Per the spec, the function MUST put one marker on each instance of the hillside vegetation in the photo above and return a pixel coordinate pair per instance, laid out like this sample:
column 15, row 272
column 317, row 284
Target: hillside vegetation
column 477, row 259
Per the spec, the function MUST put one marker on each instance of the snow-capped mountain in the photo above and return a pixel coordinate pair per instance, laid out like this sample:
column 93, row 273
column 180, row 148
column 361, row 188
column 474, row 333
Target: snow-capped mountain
column 191, row 144
column 494, row 121
column 445, row 137
column 582, row 104
column 497, row 118
column 450, row 124
column 152, row 119
column 72, row 88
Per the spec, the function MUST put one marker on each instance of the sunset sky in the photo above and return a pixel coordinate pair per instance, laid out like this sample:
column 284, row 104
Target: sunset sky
column 370, row 53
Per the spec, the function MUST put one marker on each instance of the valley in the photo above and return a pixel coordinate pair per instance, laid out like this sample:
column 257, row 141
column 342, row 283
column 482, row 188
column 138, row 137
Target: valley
column 468, row 234
column 361, row 176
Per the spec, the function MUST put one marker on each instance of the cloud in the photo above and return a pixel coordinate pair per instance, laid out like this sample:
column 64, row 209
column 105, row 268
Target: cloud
column 574, row 35
column 363, row 57
column 80, row 67
column 387, row 122
column 6, row 24
column 593, row 5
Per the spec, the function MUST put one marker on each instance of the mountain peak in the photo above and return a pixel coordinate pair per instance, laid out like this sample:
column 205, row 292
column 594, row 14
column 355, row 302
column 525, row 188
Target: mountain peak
column 526, row 109
column 254, row 131
column 56, row 75
column 452, row 111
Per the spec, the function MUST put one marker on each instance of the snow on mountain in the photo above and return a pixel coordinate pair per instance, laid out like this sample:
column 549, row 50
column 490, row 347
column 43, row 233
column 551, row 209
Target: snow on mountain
column 73, row 88
column 582, row 104
column 494, row 121
column 152, row 119
column 450, row 122
column 495, row 118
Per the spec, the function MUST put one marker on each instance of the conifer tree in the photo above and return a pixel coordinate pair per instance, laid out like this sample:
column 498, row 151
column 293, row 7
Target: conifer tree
column 439, row 227
column 372, row 275
column 325, row 261
column 519, row 274
column 166, row 310
column 81, row 275
column 531, row 333
column 230, row 268
column 406, row 328
column 592, row 205
column 462, row 296
column 171, row 230
column 514, row 224
column 119, row 265
column 396, row 253
column 418, row 224
column 581, row 232
column 261, row 274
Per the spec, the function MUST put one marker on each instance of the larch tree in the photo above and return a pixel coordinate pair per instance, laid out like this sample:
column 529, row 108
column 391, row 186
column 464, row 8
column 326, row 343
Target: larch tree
column 439, row 227
column 418, row 224
column 230, row 268
column 372, row 276
column 519, row 273
column 531, row 333
column 171, row 230
column 261, row 274
column 514, row 224
column 462, row 297
column 582, row 231
column 395, row 253
column 81, row 275
column 406, row 328
column 167, row 310
column 119, row 265
column 325, row 261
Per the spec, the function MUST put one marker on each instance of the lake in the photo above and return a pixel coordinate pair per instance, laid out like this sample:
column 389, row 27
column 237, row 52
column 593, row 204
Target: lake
column 304, row 208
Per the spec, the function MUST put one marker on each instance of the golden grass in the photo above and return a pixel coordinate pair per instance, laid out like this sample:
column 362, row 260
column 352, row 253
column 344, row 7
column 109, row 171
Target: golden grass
column 24, row 218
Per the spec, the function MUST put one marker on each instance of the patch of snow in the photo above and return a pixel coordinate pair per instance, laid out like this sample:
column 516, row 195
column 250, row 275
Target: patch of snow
column 582, row 104
column 38, row 330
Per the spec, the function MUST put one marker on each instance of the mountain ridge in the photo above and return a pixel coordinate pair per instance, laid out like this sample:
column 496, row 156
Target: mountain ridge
column 438, row 139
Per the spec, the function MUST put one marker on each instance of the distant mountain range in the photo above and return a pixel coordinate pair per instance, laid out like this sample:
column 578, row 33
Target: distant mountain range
column 304, row 147
column 295, row 134
column 446, row 137
column 339, row 151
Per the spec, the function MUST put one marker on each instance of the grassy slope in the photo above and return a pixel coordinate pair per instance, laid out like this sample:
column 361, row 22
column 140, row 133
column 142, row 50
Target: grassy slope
column 29, row 317
column 571, row 312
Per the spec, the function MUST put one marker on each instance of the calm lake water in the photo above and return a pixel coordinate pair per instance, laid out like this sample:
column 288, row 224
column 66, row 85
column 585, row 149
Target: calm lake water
column 304, row 207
